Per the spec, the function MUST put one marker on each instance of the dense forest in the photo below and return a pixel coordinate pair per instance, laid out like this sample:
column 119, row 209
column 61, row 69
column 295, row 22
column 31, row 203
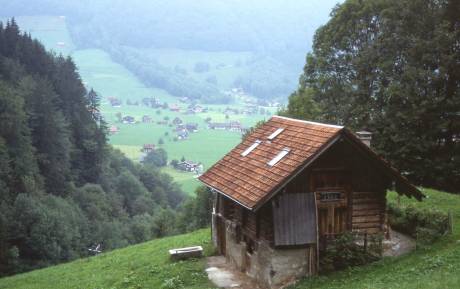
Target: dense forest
column 391, row 67
column 276, row 33
column 63, row 189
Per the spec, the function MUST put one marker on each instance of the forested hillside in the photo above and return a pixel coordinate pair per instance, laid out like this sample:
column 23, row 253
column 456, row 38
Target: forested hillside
column 63, row 189
column 393, row 68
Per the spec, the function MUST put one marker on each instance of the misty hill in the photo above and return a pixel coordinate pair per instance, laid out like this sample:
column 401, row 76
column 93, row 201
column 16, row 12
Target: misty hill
column 276, row 34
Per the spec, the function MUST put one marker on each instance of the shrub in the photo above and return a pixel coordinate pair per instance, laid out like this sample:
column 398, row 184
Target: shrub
column 425, row 225
column 344, row 251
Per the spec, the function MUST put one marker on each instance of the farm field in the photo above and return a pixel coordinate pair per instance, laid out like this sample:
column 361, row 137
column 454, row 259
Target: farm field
column 223, row 67
column 207, row 146
column 147, row 266
column 110, row 79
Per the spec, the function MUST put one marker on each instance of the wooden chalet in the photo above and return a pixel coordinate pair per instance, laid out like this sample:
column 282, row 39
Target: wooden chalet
column 289, row 186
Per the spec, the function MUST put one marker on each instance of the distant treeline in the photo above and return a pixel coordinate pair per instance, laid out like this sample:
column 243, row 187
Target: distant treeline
column 154, row 74
column 63, row 189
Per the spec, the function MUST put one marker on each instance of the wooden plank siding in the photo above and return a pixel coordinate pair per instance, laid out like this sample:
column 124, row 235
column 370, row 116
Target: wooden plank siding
column 368, row 212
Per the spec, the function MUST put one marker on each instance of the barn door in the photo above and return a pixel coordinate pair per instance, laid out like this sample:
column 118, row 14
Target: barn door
column 331, row 191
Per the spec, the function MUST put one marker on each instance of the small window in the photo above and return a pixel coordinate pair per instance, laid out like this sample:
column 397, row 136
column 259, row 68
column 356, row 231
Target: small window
column 251, row 148
column 330, row 196
column 278, row 157
column 275, row 133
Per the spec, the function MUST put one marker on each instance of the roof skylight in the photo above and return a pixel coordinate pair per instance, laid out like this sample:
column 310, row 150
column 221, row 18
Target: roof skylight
column 278, row 157
column 275, row 133
column 251, row 148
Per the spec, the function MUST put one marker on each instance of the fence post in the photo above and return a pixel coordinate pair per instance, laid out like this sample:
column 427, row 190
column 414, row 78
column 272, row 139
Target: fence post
column 365, row 241
column 451, row 222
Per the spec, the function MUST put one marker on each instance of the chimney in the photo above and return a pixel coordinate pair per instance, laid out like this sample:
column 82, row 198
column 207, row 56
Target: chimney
column 365, row 137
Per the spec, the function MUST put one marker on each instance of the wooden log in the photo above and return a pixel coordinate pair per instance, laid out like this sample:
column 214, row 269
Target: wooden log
column 366, row 219
column 367, row 225
column 367, row 212
column 368, row 207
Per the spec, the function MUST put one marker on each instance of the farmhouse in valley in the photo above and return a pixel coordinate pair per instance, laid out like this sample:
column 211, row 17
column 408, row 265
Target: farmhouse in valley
column 189, row 166
column 128, row 119
column 289, row 187
column 191, row 127
column 146, row 119
column 113, row 129
column 148, row 147
column 232, row 126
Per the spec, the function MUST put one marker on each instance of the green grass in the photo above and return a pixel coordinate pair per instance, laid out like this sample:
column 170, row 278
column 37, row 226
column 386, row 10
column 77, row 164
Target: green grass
column 226, row 66
column 206, row 146
column 145, row 265
column 437, row 267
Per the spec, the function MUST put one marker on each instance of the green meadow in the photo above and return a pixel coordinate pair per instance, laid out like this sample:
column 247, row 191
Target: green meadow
column 147, row 265
column 110, row 79
column 224, row 66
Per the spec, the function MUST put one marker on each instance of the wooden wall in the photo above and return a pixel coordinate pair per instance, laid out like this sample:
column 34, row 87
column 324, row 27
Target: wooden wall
column 343, row 168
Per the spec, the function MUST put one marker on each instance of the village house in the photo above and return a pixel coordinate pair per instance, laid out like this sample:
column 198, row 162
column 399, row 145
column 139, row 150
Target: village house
column 113, row 129
column 147, row 148
column 235, row 126
column 218, row 125
column 191, row 127
column 174, row 107
column 289, row 187
column 114, row 102
column 128, row 120
column 146, row 119
column 189, row 166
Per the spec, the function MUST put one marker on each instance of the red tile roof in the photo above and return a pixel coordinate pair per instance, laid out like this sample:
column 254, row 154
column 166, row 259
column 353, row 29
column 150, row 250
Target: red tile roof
column 249, row 179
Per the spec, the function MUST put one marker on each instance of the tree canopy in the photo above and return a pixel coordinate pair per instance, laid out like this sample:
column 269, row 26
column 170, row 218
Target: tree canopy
column 391, row 67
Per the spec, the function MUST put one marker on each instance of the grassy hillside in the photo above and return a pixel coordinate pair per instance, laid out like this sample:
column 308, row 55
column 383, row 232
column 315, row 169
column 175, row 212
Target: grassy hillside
column 147, row 265
column 111, row 79
column 142, row 266
column 435, row 268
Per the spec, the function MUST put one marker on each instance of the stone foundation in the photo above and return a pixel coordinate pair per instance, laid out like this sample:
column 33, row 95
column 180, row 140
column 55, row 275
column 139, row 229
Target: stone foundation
column 271, row 268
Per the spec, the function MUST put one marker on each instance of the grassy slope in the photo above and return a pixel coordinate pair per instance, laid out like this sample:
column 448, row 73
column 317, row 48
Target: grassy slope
column 436, row 267
column 141, row 266
column 147, row 266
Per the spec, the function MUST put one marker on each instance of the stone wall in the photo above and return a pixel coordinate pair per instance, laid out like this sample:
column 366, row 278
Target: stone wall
column 272, row 268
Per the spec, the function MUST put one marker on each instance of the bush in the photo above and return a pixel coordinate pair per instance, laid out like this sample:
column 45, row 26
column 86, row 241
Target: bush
column 425, row 225
column 344, row 251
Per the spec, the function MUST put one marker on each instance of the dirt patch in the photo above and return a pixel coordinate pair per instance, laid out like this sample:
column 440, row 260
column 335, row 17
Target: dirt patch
column 398, row 244
column 223, row 275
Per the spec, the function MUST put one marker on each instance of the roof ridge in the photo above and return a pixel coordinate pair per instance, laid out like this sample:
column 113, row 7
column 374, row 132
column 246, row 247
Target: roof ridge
column 308, row 122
